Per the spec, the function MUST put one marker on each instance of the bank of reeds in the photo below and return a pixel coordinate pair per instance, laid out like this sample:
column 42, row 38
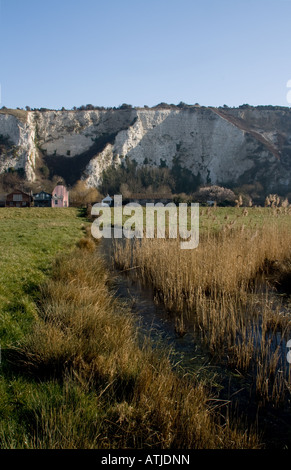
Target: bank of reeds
column 97, row 387
column 220, row 288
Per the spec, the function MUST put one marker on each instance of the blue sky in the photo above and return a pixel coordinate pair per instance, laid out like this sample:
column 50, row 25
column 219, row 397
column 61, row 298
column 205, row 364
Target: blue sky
column 68, row 53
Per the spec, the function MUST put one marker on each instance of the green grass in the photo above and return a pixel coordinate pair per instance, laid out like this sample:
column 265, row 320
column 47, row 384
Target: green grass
column 218, row 218
column 30, row 239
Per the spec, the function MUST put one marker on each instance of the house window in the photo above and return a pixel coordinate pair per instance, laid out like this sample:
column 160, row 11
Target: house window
column 17, row 197
column 56, row 203
column 24, row 204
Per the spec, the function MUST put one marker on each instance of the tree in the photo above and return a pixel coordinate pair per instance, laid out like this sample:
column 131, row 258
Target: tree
column 81, row 194
column 12, row 179
column 125, row 106
column 182, row 105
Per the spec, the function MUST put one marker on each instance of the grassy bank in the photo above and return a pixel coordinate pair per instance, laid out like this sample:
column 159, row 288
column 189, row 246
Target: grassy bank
column 73, row 375
column 30, row 240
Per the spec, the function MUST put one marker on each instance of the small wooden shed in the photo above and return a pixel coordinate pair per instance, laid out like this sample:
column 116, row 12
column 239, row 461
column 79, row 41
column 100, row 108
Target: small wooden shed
column 18, row 199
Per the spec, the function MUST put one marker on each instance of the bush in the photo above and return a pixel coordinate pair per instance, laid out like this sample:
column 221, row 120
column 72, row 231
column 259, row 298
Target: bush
column 81, row 194
column 218, row 194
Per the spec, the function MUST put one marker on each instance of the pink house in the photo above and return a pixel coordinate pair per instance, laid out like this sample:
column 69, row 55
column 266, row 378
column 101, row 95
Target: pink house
column 60, row 196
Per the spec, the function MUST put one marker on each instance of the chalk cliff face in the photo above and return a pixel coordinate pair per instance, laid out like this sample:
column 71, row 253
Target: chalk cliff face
column 21, row 150
column 222, row 145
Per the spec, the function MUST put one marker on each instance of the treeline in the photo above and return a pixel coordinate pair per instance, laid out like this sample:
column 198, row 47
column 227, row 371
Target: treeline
column 129, row 178
column 87, row 107
column 162, row 105
column 262, row 107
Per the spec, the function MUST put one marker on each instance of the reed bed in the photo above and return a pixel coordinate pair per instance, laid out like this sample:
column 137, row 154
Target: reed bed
column 221, row 289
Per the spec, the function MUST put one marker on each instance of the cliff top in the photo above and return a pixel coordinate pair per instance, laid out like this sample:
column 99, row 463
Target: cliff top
column 22, row 114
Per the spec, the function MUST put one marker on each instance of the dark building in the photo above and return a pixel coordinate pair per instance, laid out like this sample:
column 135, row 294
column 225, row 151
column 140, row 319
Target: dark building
column 18, row 199
column 42, row 199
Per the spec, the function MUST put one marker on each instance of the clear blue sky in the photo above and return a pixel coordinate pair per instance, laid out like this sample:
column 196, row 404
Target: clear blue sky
column 67, row 53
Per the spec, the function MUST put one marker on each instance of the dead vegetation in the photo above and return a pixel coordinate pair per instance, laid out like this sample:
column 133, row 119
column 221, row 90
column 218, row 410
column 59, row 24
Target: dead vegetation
column 221, row 288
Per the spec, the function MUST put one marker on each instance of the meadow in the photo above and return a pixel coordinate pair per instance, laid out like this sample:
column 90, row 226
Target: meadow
column 30, row 240
column 73, row 373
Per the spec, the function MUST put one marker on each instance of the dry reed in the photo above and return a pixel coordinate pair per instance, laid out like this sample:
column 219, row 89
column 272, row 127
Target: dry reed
column 214, row 287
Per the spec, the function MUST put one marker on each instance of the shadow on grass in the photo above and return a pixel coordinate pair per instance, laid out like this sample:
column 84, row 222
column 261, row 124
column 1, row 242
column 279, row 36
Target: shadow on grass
column 82, row 212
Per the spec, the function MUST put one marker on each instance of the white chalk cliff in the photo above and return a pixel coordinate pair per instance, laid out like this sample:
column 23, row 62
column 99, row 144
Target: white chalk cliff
column 22, row 152
column 222, row 145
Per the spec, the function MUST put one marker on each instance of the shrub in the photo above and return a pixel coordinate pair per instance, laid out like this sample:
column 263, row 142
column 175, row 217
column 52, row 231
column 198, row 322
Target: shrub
column 218, row 194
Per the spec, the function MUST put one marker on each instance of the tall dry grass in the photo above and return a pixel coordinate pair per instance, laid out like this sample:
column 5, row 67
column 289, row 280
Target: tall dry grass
column 85, row 342
column 220, row 288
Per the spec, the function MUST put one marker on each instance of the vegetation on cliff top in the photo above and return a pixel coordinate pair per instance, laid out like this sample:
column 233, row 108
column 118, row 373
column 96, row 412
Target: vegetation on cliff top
column 19, row 112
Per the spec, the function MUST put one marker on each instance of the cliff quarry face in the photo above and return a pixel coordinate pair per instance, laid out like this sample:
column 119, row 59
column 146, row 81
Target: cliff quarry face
column 20, row 151
column 230, row 146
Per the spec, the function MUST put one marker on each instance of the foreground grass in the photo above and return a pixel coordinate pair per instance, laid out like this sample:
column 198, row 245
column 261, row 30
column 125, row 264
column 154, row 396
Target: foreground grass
column 73, row 375
column 30, row 240
column 113, row 394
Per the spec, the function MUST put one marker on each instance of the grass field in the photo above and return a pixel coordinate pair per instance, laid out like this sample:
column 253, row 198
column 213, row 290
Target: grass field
column 30, row 240
column 217, row 219
column 72, row 373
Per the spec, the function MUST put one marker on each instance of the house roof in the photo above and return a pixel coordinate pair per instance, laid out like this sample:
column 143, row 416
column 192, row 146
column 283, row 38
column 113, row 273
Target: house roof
column 17, row 191
column 60, row 190
column 107, row 198
column 41, row 192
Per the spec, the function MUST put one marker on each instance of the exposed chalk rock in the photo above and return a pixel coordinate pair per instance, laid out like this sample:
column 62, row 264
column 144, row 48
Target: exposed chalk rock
column 222, row 146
